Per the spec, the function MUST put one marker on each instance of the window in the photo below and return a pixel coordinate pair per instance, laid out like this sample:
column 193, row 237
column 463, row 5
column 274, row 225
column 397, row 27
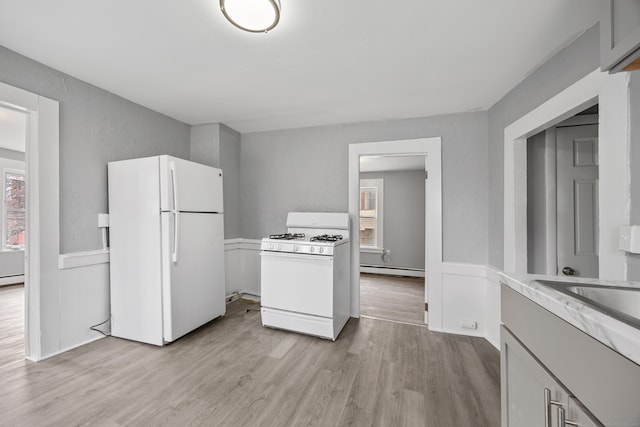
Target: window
column 371, row 203
column 14, row 210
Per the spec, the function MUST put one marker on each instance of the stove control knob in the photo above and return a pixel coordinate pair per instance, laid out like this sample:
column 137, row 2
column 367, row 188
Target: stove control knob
column 271, row 246
column 279, row 247
column 295, row 248
column 312, row 249
column 321, row 250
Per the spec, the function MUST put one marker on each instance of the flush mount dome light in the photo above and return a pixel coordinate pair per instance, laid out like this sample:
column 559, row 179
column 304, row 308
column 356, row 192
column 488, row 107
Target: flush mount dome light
column 255, row 16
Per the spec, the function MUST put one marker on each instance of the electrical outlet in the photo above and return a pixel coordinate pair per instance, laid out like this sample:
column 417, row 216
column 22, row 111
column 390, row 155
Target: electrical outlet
column 469, row 324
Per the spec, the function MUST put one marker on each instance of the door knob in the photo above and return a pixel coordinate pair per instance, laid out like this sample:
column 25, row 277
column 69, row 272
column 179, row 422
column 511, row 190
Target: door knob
column 568, row 271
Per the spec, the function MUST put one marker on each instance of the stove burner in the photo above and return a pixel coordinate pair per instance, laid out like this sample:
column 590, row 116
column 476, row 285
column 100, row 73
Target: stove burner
column 287, row 236
column 326, row 238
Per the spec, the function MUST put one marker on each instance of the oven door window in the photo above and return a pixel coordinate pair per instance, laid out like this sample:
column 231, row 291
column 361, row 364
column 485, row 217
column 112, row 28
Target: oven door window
column 298, row 283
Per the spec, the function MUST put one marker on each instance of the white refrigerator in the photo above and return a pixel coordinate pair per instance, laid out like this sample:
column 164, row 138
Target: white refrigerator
column 167, row 247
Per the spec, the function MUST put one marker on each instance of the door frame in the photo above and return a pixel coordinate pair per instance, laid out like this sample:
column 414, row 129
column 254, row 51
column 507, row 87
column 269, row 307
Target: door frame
column 611, row 92
column 431, row 149
column 42, row 214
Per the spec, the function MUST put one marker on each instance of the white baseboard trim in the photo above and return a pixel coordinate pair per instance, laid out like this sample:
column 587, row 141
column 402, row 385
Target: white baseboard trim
column 49, row 356
column 390, row 271
column 83, row 259
column 11, row 280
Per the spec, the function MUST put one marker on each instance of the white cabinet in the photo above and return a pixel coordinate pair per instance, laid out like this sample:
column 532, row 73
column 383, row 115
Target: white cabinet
column 620, row 35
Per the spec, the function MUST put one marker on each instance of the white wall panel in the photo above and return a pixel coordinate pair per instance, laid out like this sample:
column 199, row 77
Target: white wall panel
column 242, row 264
column 493, row 307
column 463, row 298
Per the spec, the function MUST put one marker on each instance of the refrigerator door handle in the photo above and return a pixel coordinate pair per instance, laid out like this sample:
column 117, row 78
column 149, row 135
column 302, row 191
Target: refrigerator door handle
column 176, row 234
column 174, row 185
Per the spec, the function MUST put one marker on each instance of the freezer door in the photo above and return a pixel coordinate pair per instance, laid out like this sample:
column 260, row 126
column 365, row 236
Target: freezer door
column 193, row 271
column 188, row 186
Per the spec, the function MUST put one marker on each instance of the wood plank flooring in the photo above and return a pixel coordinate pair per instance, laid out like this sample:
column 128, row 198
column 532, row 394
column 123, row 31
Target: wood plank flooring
column 392, row 298
column 11, row 325
column 234, row 372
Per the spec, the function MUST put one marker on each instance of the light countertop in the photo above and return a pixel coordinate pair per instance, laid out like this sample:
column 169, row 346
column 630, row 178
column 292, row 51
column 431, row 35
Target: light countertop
column 615, row 334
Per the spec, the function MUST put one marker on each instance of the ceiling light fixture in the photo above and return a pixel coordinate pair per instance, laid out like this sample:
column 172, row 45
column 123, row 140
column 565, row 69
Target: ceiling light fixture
column 255, row 16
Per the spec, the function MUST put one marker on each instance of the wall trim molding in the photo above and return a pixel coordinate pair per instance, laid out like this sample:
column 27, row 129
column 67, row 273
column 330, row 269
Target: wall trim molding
column 43, row 196
column 102, row 256
column 391, row 271
column 580, row 95
column 464, row 269
column 611, row 92
column 11, row 280
column 432, row 150
column 242, row 243
column 83, row 259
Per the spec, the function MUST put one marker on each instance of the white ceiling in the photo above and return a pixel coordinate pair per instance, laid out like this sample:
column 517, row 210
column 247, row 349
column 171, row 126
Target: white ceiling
column 391, row 163
column 13, row 129
column 329, row 61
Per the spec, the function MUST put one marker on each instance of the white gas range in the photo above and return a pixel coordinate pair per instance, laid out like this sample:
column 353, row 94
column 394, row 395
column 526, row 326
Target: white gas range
column 305, row 275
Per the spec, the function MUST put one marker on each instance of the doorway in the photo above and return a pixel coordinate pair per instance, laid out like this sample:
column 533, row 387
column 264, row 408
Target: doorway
column 13, row 129
column 430, row 149
column 392, row 237
column 43, row 195
column 562, row 198
column 611, row 92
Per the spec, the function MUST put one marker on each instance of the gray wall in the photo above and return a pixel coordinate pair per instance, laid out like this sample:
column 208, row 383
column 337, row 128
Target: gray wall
column 563, row 69
column 218, row 145
column 634, row 260
column 403, row 215
column 230, row 164
column 95, row 127
column 307, row 169
column 536, row 204
column 205, row 144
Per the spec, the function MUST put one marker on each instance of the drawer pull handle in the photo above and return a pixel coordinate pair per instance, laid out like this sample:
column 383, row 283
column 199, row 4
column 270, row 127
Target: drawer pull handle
column 547, row 407
column 563, row 421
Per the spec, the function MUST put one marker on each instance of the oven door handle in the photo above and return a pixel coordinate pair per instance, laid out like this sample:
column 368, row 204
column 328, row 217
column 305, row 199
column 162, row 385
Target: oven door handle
column 297, row 256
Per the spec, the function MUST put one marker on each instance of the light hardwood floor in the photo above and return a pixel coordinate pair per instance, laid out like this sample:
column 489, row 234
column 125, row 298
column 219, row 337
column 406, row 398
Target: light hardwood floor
column 11, row 325
column 234, row 372
column 392, row 298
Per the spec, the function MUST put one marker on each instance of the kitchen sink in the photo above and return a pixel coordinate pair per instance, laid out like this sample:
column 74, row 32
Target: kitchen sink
column 620, row 302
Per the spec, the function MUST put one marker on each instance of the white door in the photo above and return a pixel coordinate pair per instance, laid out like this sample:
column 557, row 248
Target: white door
column 188, row 186
column 577, row 204
column 193, row 271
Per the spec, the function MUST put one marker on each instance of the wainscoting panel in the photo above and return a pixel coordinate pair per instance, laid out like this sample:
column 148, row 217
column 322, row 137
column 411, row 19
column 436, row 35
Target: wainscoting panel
column 83, row 298
column 84, row 302
column 242, row 266
column 464, row 299
column 493, row 319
